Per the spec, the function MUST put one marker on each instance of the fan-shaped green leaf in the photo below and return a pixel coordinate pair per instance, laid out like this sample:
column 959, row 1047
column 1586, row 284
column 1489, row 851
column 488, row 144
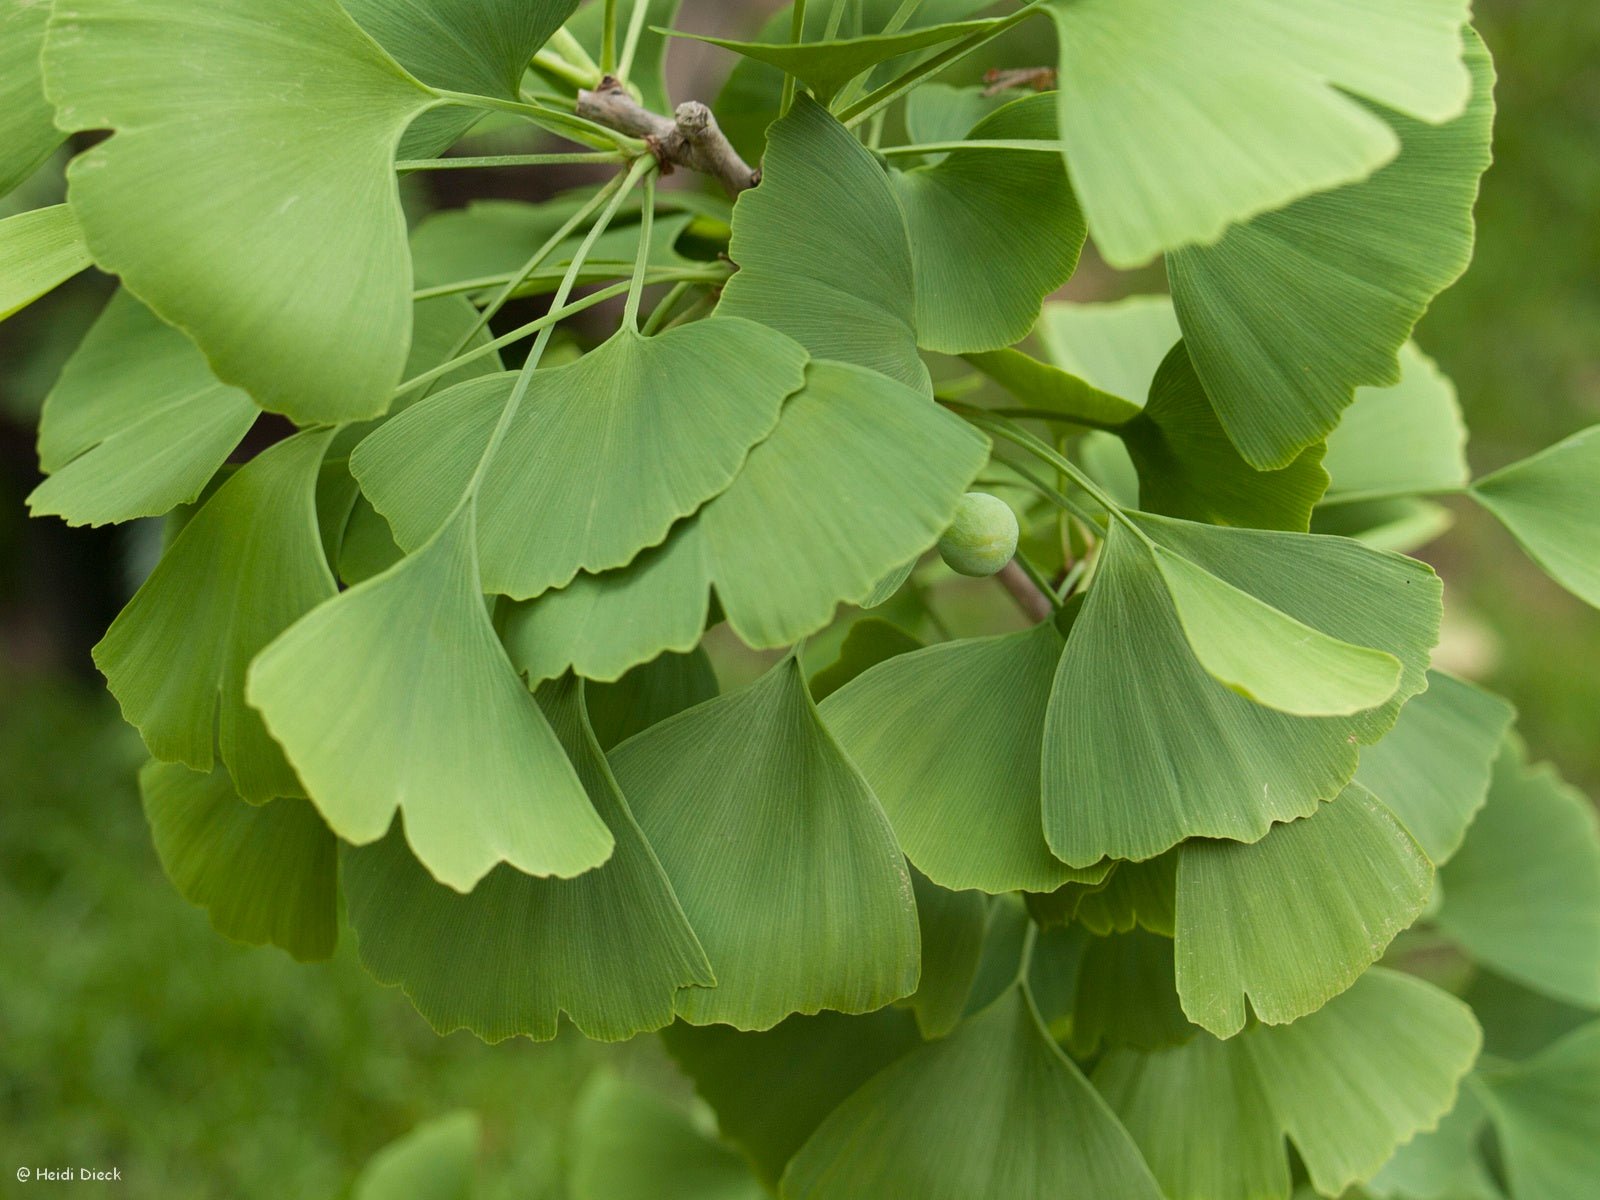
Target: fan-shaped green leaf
column 397, row 695
column 1116, row 347
column 949, row 738
column 868, row 643
column 1054, row 390
column 1444, row 1163
column 1166, row 752
column 938, row 112
column 1365, row 1072
column 1126, row 995
column 1189, row 468
column 1522, row 895
column 1289, row 922
column 1547, row 502
column 1269, row 657
column 860, row 475
column 995, row 1109
column 247, row 194
column 609, row 948
column 749, row 101
column 770, row 1090
column 1200, row 1117
column 1187, row 465
column 1347, row 1084
column 437, row 1160
column 952, row 926
column 1546, row 1115
column 27, row 122
column 822, row 250
column 806, row 903
column 1399, row 440
column 244, row 568
column 491, row 238
column 826, row 66
column 480, row 46
column 993, row 232
column 629, row 1143
column 608, row 452
column 136, row 425
column 648, row 695
column 38, row 251
column 1132, row 894
column 1288, row 314
column 1180, row 121
column 1432, row 769
column 263, row 873
column 1402, row 525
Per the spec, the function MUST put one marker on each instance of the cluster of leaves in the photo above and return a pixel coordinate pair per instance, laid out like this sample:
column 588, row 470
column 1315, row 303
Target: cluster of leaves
column 1095, row 905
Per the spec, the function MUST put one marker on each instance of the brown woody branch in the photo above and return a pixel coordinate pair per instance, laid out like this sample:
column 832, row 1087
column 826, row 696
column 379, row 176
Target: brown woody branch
column 1025, row 592
column 690, row 138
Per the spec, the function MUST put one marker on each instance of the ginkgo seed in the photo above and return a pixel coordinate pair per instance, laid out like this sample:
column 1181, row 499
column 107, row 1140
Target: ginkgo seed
column 982, row 537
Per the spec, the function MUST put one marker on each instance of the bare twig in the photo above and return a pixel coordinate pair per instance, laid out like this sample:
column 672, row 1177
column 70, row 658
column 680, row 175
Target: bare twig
column 690, row 138
column 1025, row 592
column 1040, row 79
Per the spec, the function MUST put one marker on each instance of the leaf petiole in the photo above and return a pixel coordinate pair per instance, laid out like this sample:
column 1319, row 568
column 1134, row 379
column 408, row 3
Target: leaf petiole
column 408, row 165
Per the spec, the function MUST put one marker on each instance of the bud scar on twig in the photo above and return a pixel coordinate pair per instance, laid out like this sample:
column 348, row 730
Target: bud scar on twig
column 691, row 138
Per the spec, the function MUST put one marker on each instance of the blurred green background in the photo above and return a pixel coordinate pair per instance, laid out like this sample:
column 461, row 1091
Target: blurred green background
column 132, row 1036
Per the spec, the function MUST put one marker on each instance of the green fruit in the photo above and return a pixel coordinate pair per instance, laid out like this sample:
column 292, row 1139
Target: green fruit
column 983, row 536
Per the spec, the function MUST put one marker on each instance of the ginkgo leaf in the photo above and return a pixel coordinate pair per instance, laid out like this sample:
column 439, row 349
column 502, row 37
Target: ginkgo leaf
column 749, row 101
column 1266, row 655
column 806, row 903
column 244, row 568
column 826, row 66
column 1288, row 314
column 1141, row 894
column 438, row 1160
column 869, row 642
column 648, row 695
column 629, row 1143
column 938, row 112
column 993, row 232
column 264, row 873
column 1053, row 390
column 949, row 738
column 609, row 451
column 1432, row 769
column 1289, row 922
column 952, row 926
column 1189, row 468
column 38, row 251
column 396, row 695
column 480, row 46
column 995, row 1109
column 609, row 948
column 1223, row 109
column 1126, row 994
column 136, row 424
column 1399, row 440
column 1167, row 752
column 1444, row 1163
column 1547, row 502
column 491, row 238
column 1546, row 1114
column 822, row 250
column 1200, row 1117
column 861, row 474
column 247, row 194
column 1186, row 463
column 1522, row 894
column 1116, row 347
column 771, row 1090
column 1364, row 1072
column 1347, row 1084
column 27, row 122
